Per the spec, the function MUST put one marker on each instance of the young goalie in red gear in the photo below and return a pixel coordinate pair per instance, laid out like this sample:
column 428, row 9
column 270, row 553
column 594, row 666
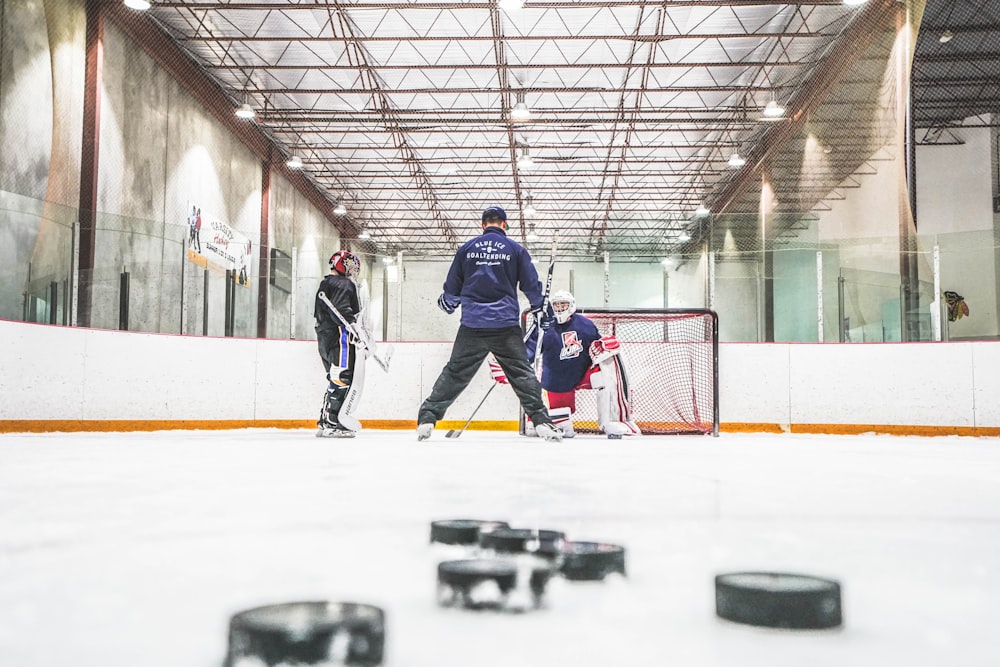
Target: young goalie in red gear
column 576, row 356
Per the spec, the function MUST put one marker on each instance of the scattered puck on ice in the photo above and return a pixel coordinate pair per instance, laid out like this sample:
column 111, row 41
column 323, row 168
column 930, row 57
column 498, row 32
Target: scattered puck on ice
column 547, row 543
column 307, row 633
column 462, row 531
column 778, row 600
column 486, row 584
column 614, row 436
column 591, row 561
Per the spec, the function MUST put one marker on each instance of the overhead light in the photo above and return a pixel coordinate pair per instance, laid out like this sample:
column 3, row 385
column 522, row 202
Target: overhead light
column 294, row 162
column 387, row 260
column 525, row 161
column 702, row 210
column 520, row 111
column 684, row 237
column 528, row 208
column 946, row 36
column 339, row 209
column 364, row 234
column 773, row 110
column 854, row 3
column 827, row 149
column 510, row 5
column 245, row 111
column 736, row 160
column 532, row 235
column 141, row 5
column 666, row 261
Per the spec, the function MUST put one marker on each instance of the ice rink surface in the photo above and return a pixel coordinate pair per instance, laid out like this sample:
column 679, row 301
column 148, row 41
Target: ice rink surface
column 133, row 550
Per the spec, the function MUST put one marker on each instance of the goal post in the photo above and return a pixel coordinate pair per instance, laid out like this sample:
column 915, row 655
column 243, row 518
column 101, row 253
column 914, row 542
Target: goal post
column 671, row 362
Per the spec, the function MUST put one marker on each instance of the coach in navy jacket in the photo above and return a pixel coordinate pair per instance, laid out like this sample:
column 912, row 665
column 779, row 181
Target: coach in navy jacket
column 483, row 280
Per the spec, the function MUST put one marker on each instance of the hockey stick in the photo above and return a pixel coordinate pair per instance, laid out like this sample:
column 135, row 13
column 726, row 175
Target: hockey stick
column 359, row 334
column 453, row 433
column 545, row 306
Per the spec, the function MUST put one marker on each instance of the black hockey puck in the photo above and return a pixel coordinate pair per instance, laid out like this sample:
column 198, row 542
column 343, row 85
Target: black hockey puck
column 614, row 436
column 486, row 583
column 591, row 561
column 545, row 543
column 308, row 633
column 462, row 531
column 778, row 600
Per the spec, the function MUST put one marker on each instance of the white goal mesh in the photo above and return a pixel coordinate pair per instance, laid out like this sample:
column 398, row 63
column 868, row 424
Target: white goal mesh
column 670, row 358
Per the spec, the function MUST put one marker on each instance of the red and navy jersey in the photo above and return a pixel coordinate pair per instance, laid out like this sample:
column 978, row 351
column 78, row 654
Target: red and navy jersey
column 342, row 293
column 566, row 352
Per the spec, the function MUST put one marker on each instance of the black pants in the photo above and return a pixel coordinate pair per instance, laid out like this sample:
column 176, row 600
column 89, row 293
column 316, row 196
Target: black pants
column 471, row 347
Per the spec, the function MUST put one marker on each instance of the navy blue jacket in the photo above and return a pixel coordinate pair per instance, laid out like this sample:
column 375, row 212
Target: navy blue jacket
column 565, row 352
column 485, row 276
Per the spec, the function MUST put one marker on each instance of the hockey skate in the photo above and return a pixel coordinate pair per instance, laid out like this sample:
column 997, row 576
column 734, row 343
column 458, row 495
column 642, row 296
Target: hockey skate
column 618, row 429
column 424, row 431
column 334, row 431
column 548, row 432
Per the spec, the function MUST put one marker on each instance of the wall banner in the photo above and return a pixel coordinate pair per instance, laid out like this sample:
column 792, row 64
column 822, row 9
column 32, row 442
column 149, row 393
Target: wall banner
column 213, row 244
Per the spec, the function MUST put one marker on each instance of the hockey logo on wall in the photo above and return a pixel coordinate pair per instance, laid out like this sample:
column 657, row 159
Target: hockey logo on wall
column 212, row 244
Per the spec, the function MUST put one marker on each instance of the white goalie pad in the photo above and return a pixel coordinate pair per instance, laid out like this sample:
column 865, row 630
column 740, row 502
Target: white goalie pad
column 347, row 415
column 614, row 406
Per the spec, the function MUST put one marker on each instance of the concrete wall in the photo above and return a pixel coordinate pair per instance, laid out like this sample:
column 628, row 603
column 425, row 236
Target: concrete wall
column 56, row 376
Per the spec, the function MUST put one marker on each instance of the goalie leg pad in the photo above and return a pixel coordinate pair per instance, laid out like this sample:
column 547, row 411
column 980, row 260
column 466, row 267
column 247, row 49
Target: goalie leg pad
column 614, row 406
column 346, row 415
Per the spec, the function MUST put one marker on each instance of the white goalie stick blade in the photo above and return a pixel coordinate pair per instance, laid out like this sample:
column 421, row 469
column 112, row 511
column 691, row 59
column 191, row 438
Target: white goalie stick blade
column 365, row 342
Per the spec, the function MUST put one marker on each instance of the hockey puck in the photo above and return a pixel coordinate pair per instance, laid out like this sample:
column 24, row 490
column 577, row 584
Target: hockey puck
column 591, row 561
column 614, row 436
column 462, row 531
column 308, row 633
column 545, row 543
column 486, row 583
column 778, row 600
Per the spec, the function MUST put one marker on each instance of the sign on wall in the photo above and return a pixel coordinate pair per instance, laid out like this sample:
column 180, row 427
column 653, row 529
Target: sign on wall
column 213, row 244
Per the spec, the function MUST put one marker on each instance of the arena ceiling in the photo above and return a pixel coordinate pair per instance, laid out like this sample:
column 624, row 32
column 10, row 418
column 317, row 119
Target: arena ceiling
column 405, row 111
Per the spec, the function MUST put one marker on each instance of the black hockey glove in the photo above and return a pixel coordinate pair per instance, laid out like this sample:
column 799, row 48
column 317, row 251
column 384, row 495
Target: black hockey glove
column 448, row 303
column 543, row 317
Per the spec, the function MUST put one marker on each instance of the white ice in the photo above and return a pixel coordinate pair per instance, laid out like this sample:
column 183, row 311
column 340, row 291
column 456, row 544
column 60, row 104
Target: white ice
column 132, row 550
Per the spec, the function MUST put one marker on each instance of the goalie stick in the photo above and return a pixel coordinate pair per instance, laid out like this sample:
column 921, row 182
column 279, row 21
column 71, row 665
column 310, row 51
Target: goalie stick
column 545, row 306
column 360, row 334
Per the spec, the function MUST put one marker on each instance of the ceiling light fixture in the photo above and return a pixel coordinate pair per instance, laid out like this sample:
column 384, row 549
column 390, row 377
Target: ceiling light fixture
column 773, row 110
column 294, row 162
column 946, row 36
column 532, row 236
column 854, row 3
column 140, row 5
column 364, row 234
column 520, row 112
column 510, row 5
column 702, row 210
column 525, row 162
column 528, row 208
column 736, row 160
column 339, row 209
column 684, row 237
column 245, row 111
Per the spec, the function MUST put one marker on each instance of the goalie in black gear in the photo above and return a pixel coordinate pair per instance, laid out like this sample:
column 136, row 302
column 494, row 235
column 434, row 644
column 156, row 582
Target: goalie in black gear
column 337, row 347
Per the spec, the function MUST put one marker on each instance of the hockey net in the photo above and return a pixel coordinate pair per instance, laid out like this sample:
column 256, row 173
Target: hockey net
column 671, row 362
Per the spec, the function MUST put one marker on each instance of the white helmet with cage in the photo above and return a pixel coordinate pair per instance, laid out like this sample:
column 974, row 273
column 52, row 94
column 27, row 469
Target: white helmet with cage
column 563, row 305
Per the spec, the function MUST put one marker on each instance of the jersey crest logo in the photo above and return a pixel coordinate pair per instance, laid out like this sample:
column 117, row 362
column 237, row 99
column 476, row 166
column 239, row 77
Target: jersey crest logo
column 571, row 346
